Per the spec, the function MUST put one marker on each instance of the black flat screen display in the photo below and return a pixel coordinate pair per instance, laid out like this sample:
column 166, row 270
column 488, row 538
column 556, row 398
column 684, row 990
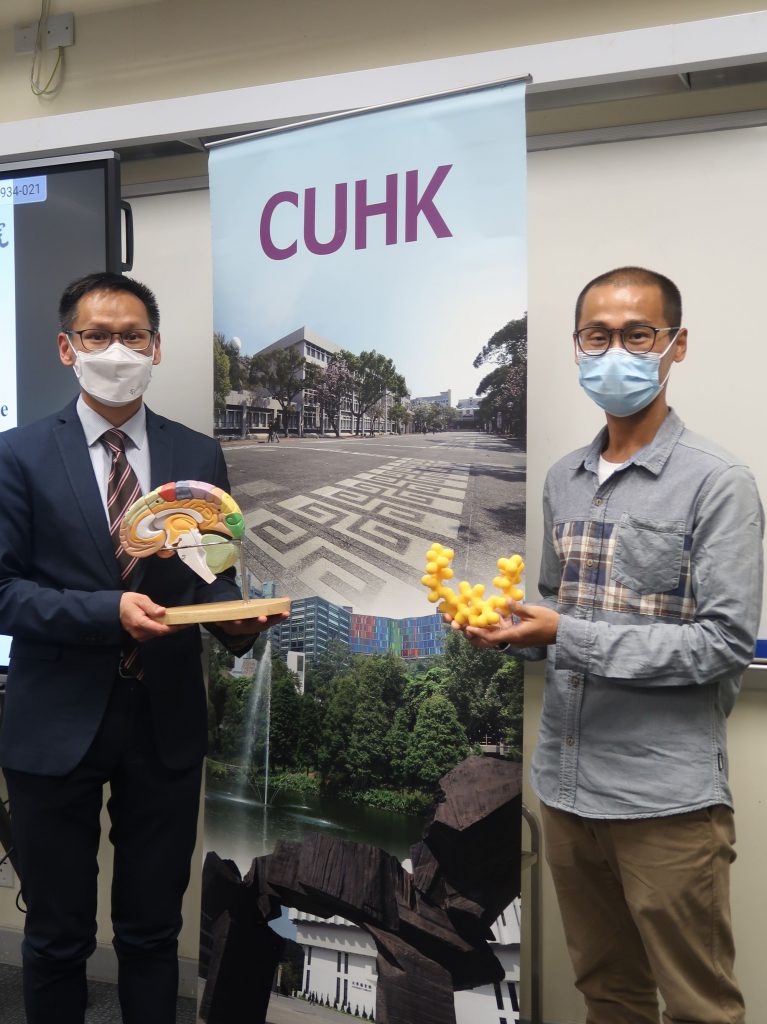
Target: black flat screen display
column 59, row 220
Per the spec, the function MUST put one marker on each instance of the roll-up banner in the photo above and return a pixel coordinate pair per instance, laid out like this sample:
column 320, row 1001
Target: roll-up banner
column 363, row 796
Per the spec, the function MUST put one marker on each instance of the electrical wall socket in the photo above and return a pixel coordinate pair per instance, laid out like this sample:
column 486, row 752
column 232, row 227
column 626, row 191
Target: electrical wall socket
column 7, row 874
column 59, row 31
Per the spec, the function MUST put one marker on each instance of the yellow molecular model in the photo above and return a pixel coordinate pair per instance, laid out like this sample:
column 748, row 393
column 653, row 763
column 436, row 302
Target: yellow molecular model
column 469, row 606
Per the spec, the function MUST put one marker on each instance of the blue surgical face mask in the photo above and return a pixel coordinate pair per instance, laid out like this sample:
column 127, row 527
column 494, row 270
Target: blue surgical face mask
column 622, row 382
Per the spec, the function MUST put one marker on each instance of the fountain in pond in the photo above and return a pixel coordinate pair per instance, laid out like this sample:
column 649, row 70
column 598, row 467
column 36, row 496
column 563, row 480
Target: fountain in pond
column 258, row 717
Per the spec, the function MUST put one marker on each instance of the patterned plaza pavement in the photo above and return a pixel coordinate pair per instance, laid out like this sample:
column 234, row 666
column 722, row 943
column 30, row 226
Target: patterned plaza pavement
column 350, row 519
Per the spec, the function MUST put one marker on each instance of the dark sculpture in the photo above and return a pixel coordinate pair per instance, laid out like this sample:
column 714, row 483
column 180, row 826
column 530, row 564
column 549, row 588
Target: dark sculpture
column 243, row 951
column 431, row 928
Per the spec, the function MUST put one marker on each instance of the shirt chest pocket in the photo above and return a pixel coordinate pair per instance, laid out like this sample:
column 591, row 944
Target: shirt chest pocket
column 648, row 554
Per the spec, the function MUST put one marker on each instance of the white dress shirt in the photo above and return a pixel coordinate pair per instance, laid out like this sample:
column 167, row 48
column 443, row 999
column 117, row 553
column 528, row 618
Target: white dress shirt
column 136, row 447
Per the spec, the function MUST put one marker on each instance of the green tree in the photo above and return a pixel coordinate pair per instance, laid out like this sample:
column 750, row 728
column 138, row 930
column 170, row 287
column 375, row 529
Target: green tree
column 336, row 727
column 285, row 717
column 290, row 978
column 438, row 742
column 334, row 389
column 433, row 416
column 506, row 704
column 230, row 369
column 438, row 416
column 309, row 732
column 400, row 415
column 281, row 374
column 221, row 386
column 238, row 364
column 320, row 673
column 505, row 387
column 383, row 673
column 221, row 662
column 483, row 686
column 373, row 375
column 366, row 761
column 441, row 417
column 429, row 417
column 418, row 689
column 396, row 746
column 229, row 696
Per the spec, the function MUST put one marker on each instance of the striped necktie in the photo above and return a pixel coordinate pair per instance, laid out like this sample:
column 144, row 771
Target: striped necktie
column 122, row 490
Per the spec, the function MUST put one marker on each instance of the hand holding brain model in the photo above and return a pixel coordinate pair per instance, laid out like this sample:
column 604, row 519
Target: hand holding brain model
column 469, row 607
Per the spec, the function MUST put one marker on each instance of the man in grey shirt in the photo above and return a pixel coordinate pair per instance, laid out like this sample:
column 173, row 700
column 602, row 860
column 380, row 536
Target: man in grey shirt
column 651, row 580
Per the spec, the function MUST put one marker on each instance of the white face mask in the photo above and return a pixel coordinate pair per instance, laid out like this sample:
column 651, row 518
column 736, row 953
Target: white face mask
column 116, row 377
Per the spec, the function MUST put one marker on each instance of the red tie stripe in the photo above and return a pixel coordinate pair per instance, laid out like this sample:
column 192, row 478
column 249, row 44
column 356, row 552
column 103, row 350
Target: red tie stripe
column 122, row 490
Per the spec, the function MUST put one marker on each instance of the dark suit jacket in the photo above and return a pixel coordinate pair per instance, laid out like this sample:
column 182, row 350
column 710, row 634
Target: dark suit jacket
column 60, row 591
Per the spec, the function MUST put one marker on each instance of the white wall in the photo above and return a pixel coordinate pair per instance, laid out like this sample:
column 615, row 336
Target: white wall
column 692, row 208
column 172, row 256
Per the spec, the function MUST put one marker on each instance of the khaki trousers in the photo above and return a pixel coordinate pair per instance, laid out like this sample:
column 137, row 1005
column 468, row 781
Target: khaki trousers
column 646, row 906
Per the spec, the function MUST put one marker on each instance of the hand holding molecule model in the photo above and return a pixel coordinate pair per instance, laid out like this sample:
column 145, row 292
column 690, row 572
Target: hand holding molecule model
column 469, row 606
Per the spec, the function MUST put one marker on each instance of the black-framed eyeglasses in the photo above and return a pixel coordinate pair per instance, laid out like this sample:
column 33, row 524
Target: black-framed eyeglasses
column 94, row 339
column 639, row 338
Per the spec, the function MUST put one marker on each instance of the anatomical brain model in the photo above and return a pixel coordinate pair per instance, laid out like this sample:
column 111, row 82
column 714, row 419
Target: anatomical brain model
column 200, row 523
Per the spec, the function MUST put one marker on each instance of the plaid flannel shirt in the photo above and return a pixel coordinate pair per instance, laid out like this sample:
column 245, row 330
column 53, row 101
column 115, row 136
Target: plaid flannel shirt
column 657, row 574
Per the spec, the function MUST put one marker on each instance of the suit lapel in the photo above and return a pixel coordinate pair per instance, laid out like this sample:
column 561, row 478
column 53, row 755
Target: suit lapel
column 70, row 439
column 160, row 449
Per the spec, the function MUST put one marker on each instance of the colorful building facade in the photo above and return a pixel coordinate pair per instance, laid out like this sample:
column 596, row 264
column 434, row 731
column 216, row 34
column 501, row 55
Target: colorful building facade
column 314, row 622
column 422, row 636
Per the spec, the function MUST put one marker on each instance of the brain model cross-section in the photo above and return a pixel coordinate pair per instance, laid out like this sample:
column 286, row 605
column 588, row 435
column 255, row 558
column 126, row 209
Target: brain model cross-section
column 199, row 522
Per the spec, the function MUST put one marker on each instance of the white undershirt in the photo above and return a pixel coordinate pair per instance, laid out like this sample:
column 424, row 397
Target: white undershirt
column 136, row 447
column 606, row 469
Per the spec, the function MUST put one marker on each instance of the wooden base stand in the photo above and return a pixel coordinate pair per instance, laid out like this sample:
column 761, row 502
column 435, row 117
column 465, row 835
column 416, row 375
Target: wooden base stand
column 225, row 611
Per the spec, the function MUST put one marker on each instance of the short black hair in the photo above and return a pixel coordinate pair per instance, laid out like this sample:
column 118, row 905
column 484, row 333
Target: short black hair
column 103, row 281
column 672, row 298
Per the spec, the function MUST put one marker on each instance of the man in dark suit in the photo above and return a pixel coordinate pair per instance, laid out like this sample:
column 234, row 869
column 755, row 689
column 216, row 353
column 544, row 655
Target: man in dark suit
column 99, row 688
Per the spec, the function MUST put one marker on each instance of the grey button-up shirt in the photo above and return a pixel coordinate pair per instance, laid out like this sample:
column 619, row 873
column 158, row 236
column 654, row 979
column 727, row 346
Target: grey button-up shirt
column 657, row 574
